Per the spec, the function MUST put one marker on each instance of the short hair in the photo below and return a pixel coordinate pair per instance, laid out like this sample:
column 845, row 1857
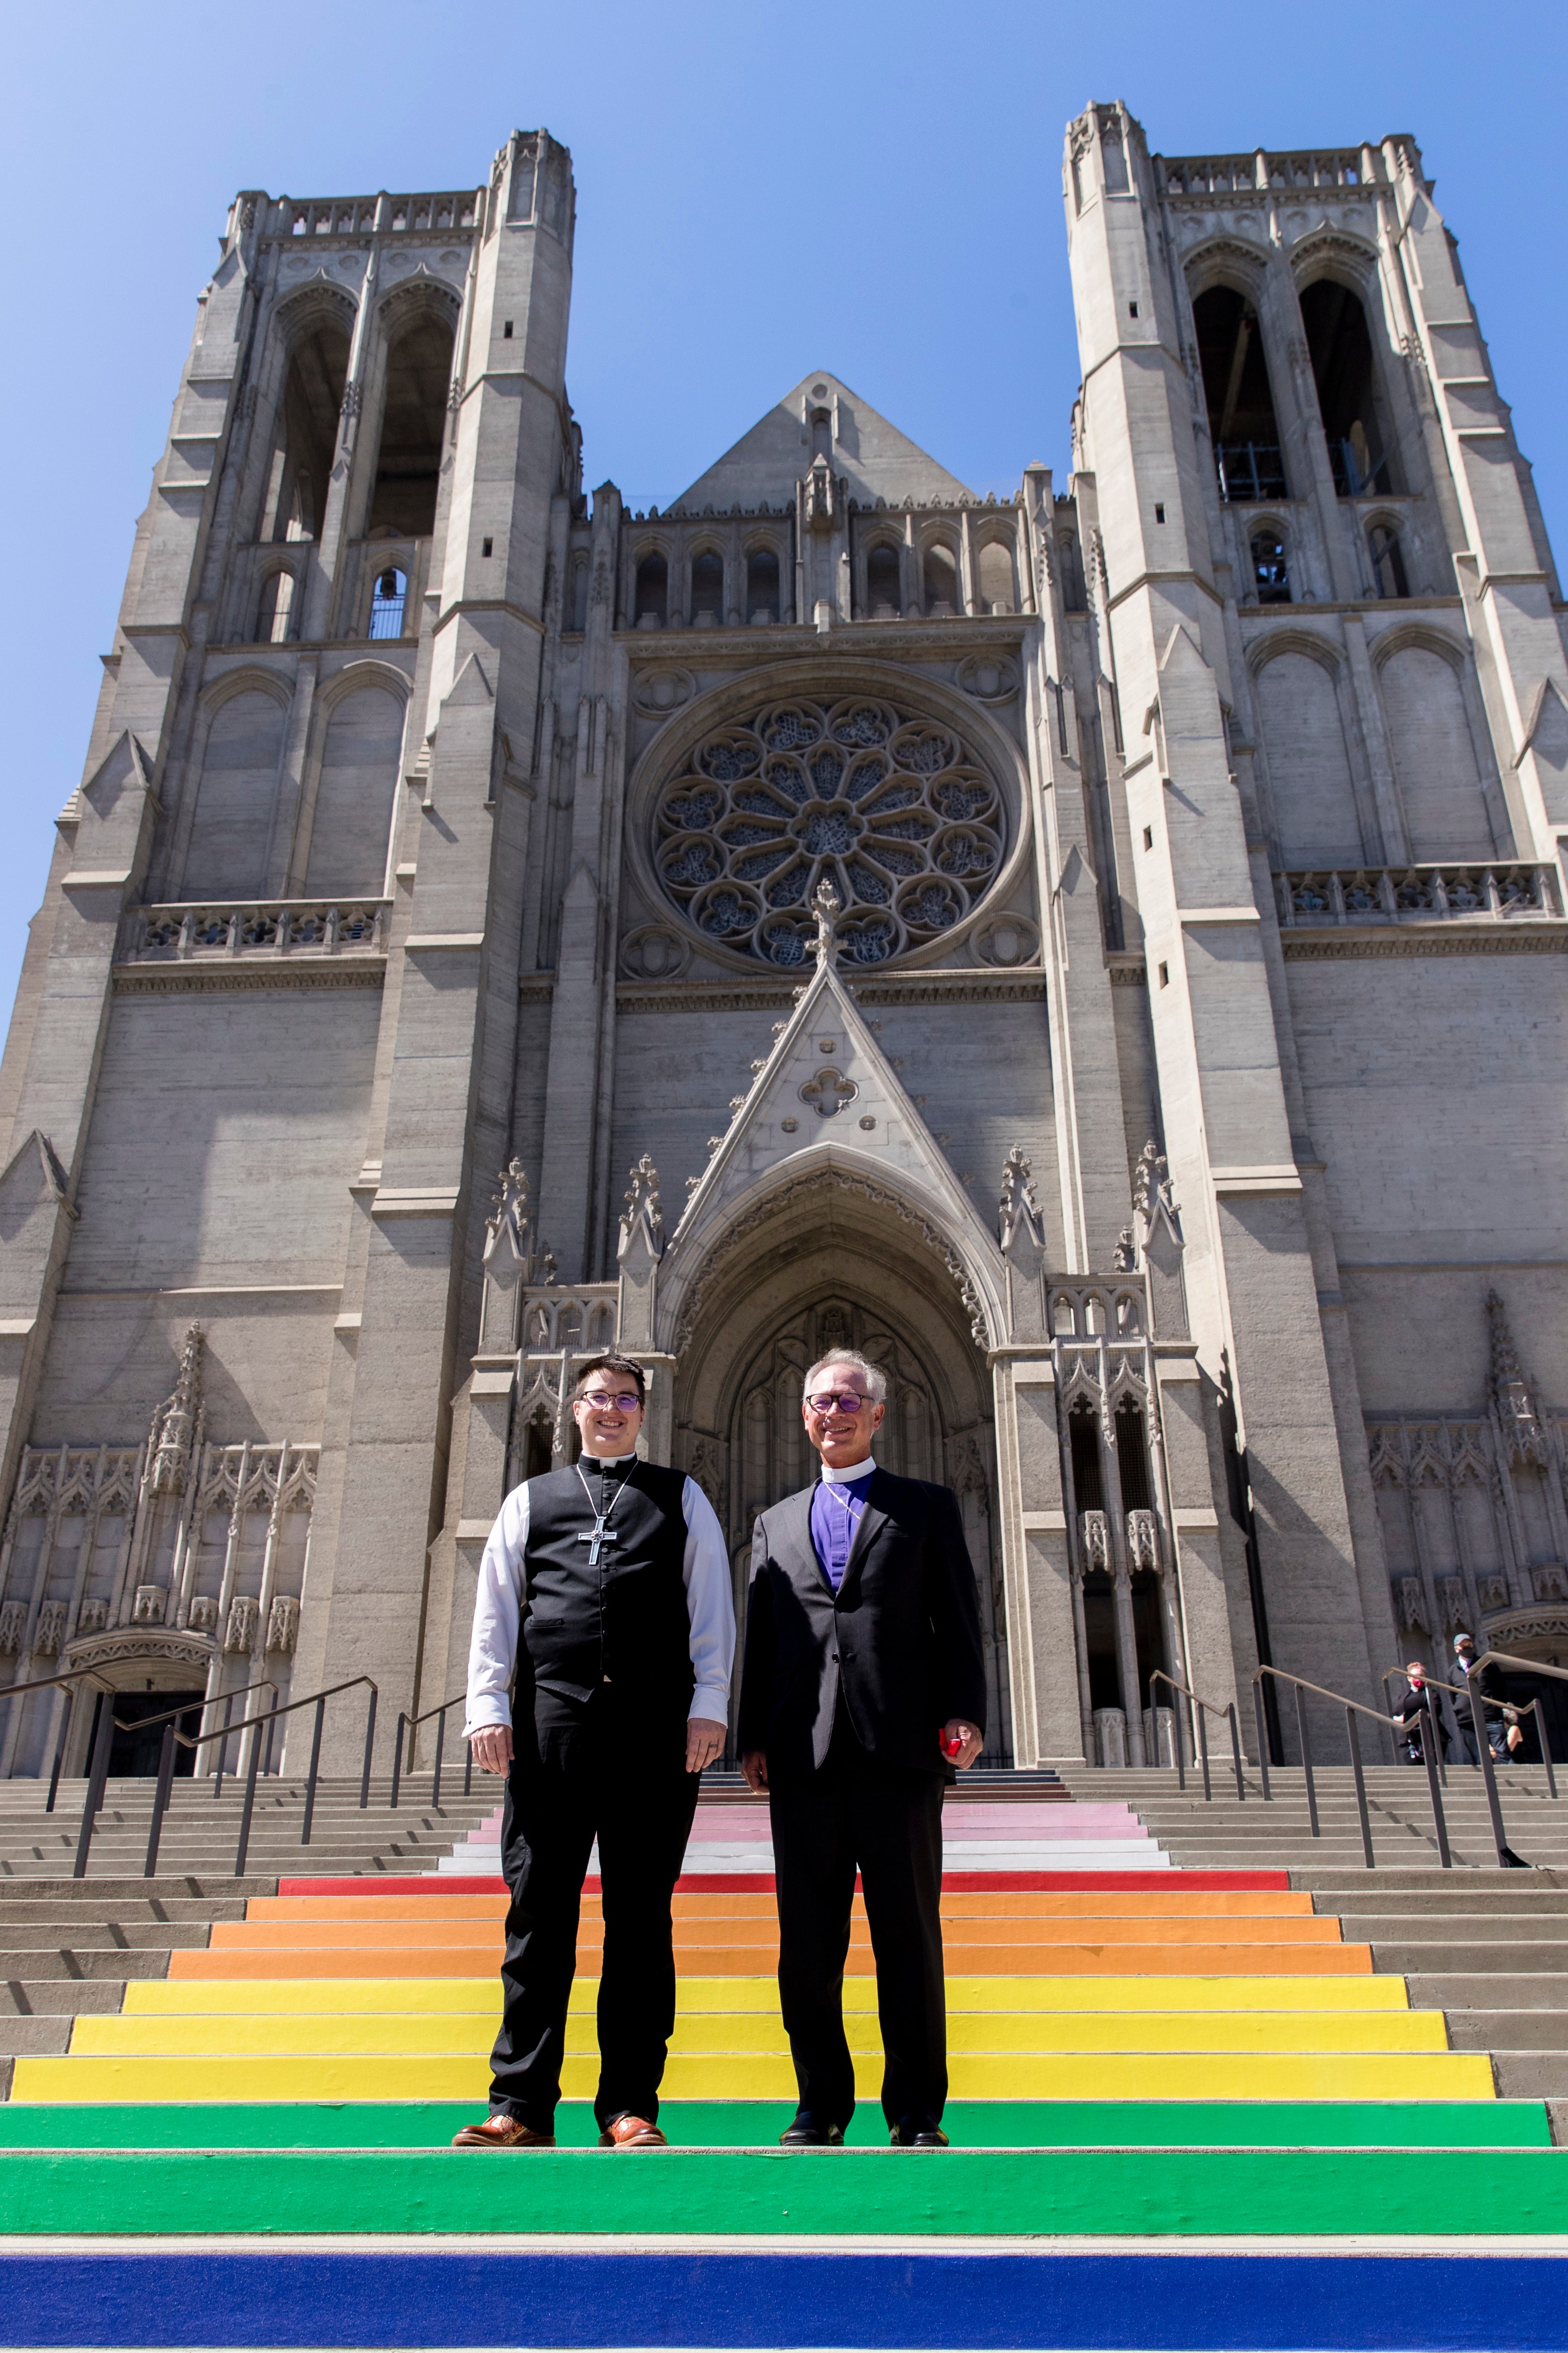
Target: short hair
column 619, row 1366
column 875, row 1380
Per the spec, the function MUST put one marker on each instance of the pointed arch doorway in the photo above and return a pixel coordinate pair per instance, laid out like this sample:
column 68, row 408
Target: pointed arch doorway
column 737, row 1388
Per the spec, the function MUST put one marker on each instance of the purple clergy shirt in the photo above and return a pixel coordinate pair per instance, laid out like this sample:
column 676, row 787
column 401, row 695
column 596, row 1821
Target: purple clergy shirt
column 836, row 1508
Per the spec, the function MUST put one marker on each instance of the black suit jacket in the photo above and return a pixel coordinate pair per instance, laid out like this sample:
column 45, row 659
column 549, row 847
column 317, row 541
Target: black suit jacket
column 901, row 1639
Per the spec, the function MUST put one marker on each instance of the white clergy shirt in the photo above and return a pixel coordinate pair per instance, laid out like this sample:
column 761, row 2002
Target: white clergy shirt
column 498, row 1610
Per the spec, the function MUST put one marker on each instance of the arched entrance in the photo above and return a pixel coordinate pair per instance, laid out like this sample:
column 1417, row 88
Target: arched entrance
column 828, row 1267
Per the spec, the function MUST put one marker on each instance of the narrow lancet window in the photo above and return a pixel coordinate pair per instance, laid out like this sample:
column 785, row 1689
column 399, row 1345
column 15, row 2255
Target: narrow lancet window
column 1345, row 373
column 1240, row 400
column 412, row 423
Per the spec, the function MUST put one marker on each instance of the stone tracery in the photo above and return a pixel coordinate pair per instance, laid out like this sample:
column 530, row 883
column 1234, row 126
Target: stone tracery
column 892, row 810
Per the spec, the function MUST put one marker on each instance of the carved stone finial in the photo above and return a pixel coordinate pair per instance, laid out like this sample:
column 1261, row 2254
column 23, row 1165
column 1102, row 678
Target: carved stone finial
column 1151, row 1183
column 643, row 1210
column 828, row 907
column 1019, row 1205
column 1126, row 1257
column 1511, row 1397
column 174, row 1429
column 507, row 1227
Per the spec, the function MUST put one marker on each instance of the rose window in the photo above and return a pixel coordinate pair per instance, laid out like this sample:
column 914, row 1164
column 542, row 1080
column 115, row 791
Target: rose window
column 894, row 812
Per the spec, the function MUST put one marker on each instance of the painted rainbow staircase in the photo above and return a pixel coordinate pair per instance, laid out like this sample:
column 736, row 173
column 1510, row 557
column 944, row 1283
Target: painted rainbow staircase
column 1185, row 2111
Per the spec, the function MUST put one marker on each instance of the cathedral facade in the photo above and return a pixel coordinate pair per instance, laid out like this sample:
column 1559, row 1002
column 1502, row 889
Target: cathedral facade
column 1098, row 950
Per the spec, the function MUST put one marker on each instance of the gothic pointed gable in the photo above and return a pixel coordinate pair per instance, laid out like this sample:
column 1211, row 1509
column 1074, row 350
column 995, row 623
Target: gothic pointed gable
column 829, row 1096
column 861, row 446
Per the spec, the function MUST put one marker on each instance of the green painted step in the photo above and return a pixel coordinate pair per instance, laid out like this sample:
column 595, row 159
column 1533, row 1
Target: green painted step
column 893, row 2192
column 739, row 2123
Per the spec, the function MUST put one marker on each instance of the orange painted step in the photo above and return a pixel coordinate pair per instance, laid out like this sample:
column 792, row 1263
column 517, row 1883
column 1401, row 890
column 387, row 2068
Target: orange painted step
column 693, row 1935
column 1058, row 1960
column 1028, row 1905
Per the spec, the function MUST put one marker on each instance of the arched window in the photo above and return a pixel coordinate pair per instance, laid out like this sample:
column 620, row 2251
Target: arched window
column 884, row 586
column 577, row 603
column 707, row 590
column 306, row 437
column 413, row 423
column 652, row 592
column 276, row 609
column 997, row 586
column 355, row 793
column 1074, row 596
column 1270, row 571
column 1346, row 373
column 942, row 583
column 1387, row 561
column 1237, row 392
column 227, row 858
column 762, row 584
column 387, row 600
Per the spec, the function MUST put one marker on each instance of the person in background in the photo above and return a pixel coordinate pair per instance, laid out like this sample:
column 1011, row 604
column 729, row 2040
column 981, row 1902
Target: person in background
column 1417, row 1711
column 1481, row 1688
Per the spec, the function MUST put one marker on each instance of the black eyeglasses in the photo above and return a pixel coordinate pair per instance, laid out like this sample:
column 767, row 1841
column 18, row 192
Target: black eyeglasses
column 628, row 1401
column 845, row 1400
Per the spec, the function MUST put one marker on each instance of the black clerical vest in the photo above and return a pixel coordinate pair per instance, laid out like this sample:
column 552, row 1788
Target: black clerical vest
column 624, row 1620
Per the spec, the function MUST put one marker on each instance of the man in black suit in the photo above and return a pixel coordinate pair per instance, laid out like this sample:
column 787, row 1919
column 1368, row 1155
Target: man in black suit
column 863, row 1668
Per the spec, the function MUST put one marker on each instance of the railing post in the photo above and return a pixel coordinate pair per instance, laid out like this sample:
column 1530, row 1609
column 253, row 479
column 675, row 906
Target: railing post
column 1545, row 1748
column 223, row 1743
column 1351, row 1729
column 469, row 1767
column 1505, row 1855
column 397, row 1759
column 1203, row 1747
column 1262, row 1740
column 64, row 1734
column 96, row 1778
column 252, row 1768
column 310, row 1777
column 1236, row 1752
column 1307, row 1764
column 369, row 1749
column 1429, row 1740
column 436, row 1775
column 160, row 1799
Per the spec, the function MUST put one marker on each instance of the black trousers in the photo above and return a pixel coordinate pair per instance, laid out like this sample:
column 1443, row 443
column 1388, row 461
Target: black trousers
column 608, row 1768
column 887, row 1822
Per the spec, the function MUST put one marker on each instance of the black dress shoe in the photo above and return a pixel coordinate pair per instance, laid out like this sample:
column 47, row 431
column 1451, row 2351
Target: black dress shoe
column 913, row 2135
column 807, row 2134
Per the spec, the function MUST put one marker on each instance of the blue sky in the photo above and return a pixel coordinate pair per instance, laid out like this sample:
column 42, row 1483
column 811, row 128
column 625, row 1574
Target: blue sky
column 762, row 190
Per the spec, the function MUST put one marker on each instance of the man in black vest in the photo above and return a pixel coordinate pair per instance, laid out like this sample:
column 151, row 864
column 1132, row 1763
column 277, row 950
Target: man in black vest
column 623, row 1683
column 863, row 1669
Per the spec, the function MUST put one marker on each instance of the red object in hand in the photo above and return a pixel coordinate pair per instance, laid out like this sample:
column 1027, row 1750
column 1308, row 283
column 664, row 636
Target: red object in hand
column 950, row 1744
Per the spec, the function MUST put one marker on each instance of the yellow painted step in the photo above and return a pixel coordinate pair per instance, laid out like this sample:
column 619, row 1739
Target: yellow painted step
column 1395, row 2075
column 470, row 2033
column 211, row 1997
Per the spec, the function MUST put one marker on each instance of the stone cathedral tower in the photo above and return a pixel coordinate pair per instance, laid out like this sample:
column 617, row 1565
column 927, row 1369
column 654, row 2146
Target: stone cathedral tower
column 1098, row 950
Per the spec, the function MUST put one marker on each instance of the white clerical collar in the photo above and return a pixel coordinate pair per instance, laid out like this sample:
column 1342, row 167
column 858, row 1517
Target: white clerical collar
column 608, row 1461
column 851, row 1474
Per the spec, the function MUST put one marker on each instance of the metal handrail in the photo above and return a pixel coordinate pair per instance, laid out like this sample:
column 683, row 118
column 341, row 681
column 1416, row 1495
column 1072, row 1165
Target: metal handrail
column 1433, row 1715
column 270, row 1717
column 1158, row 1675
column 1507, row 1858
column 1353, row 1708
column 413, row 1723
column 66, row 1683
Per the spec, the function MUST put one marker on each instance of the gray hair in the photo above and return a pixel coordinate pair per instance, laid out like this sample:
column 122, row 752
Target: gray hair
column 875, row 1379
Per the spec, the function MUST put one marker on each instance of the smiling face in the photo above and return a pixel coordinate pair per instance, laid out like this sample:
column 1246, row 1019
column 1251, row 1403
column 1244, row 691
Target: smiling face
column 841, row 1430
column 607, row 1425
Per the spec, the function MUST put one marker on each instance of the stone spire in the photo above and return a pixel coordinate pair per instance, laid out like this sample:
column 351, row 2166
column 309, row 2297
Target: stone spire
column 175, row 1424
column 1513, row 1407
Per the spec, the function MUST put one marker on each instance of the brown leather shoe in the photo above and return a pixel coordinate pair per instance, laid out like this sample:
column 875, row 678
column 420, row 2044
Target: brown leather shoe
column 631, row 2131
column 502, row 2131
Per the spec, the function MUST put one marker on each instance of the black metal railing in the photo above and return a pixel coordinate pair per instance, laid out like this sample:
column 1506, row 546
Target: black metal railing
column 1200, row 1708
column 411, row 1724
column 1249, row 471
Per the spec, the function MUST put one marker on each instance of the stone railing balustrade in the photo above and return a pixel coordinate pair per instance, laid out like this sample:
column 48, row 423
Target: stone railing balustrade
column 286, row 927
column 361, row 215
column 1195, row 175
column 1417, row 894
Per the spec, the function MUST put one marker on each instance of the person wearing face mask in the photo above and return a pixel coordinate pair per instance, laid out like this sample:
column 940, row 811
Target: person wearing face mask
column 1416, row 1712
column 622, row 1697
column 863, row 1671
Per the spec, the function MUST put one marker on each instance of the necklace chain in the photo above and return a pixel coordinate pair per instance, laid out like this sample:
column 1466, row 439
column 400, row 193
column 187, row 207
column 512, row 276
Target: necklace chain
column 598, row 1509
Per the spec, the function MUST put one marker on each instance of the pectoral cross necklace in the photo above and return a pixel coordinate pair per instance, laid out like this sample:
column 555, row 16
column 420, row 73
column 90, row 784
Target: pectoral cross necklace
column 601, row 1533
